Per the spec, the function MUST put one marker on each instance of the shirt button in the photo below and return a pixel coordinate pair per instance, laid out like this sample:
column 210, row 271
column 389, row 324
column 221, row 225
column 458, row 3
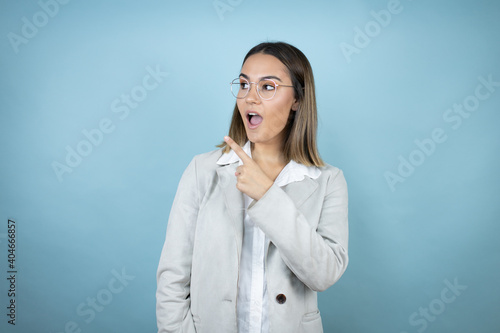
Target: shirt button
column 281, row 298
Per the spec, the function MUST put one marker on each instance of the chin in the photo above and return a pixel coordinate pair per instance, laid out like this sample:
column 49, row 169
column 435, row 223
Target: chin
column 253, row 138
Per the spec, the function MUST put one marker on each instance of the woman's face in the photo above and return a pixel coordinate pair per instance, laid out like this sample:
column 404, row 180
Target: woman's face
column 274, row 112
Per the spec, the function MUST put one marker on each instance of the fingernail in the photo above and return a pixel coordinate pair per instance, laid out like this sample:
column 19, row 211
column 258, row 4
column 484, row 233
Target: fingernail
column 226, row 138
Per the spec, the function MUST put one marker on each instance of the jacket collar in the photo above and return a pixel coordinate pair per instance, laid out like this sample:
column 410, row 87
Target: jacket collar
column 292, row 172
column 299, row 183
column 231, row 157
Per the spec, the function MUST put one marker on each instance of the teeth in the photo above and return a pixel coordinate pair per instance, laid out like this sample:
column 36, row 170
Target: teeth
column 252, row 114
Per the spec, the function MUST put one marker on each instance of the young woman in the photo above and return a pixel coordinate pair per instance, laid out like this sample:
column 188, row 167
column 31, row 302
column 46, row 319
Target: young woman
column 260, row 225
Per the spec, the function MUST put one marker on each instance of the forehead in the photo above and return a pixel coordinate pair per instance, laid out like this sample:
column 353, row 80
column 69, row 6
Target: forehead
column 261, row 65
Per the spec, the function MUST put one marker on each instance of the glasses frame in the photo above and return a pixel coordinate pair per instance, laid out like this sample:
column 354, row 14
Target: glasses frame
column 257, row 87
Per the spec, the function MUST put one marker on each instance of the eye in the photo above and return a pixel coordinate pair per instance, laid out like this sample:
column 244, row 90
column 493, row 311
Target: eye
column 268, row 86
column 243, row 85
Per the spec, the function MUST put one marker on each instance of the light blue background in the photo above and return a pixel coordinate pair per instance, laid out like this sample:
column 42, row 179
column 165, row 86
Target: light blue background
column 110, row 213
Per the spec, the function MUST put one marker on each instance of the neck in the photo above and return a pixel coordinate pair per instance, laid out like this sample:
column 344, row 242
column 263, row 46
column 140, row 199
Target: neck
column 264, row 153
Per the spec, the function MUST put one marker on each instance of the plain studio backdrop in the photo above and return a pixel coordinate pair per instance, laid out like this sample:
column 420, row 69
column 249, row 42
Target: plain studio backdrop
column 103, row 105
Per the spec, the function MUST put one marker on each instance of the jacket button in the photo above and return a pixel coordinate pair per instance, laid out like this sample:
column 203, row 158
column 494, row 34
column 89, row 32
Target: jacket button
column 281, row 298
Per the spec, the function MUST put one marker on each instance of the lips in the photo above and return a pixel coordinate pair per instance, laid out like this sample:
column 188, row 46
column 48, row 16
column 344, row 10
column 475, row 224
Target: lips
column 254, row 119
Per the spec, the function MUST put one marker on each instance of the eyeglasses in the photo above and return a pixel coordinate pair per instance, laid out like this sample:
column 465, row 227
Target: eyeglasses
column 266, row 88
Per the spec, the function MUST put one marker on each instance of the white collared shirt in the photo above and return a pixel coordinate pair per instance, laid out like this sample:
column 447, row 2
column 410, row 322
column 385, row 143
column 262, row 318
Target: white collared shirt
column 252, row 307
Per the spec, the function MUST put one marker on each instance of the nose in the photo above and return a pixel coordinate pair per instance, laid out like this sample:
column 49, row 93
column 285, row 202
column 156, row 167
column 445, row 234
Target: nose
column 252, row 96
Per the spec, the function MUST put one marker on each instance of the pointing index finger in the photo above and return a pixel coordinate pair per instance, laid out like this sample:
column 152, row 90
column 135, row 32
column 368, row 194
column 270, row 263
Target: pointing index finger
column 238, row 150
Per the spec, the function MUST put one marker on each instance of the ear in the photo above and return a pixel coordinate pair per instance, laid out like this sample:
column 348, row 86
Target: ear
column 295, row 106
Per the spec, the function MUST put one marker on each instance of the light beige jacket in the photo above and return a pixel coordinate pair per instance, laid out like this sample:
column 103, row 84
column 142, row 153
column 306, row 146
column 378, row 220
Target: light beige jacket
column 305, row 221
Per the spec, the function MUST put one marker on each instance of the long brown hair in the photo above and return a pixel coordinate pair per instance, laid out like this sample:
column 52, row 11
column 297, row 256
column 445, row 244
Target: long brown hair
column 300, row 131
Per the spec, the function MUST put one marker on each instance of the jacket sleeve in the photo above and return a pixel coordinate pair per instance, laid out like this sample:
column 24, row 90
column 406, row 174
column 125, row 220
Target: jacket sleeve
column 173, row 301
column 317, row 256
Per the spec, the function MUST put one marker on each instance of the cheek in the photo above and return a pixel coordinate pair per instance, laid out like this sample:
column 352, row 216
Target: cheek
column 282, row 109
column 279, row 117
column 284, row 103
column 240, row 108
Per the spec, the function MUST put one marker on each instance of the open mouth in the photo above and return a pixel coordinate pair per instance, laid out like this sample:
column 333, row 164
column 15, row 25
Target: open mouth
column 254, row 119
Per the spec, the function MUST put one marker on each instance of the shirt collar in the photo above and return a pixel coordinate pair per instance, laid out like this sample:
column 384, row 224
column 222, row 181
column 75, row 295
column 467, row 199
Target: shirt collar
column 231, row 157
column 295, row 172
column 292, row 172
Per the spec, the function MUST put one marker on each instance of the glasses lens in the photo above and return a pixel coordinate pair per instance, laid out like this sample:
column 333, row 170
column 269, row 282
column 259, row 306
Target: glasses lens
column 267, row 89
column 239, row 87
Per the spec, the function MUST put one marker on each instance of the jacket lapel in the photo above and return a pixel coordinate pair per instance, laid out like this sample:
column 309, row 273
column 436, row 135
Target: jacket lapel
column 233, row 199
column 300, row 191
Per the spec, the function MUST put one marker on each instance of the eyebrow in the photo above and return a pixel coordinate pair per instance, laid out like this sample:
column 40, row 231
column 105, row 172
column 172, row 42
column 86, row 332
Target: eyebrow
column 263, row 77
